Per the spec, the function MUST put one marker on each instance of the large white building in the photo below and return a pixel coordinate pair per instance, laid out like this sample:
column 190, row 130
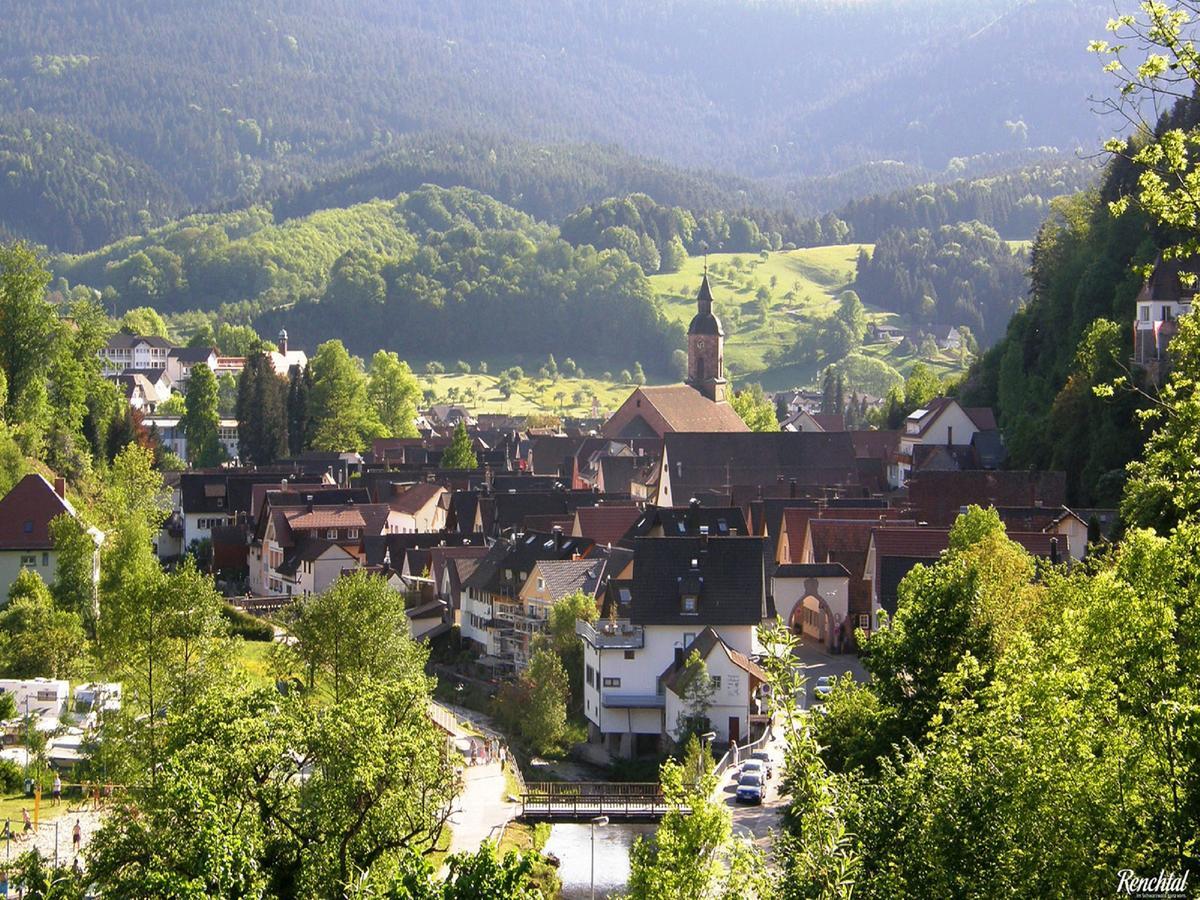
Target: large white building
column 653, row 618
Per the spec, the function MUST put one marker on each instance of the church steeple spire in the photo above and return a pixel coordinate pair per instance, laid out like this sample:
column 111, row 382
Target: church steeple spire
column 706, row 347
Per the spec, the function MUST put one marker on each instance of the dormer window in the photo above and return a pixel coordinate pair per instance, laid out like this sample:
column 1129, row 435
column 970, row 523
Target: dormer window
column 689, row 605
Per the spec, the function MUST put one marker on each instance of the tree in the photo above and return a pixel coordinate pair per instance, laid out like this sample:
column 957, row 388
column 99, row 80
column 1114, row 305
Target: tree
column 544, row 720
column 354, row 631
column 461, row 452
column 394, row 393
column 38, row 640
column 696, row 692
column 27, row 330
column 639, row 377
column 202, row 418
column 343, row 418
column 679, row 364
column 693, row 852
column 74, row 587
column 755, row 409
column 262, row 410
column 299, row 422
column 561, row 637
column 469, row 875
column 144, row 321
column 853, row 315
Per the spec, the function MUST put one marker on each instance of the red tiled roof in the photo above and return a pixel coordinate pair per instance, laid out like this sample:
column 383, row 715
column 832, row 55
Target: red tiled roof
column 983, row 417
column 416, row 498
column 606, row 524
column 928, row 543
column 26, row 512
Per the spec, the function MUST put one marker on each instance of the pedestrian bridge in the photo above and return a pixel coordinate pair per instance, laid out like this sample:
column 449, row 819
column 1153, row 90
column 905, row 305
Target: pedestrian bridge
column 559, row 801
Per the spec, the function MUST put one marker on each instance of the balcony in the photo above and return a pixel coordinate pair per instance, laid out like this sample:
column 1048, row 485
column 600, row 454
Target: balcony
column 619, row 635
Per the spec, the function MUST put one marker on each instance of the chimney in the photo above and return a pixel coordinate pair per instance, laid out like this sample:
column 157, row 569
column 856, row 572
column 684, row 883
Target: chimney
column 60, row 486
column 678, row 658
column 1054, row 551
column 792, row 489
column 949, row 435
column 283, row 484
column 558, row 538
column 308, row 499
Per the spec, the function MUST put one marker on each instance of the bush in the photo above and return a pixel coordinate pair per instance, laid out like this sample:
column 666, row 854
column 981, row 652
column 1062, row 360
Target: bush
column 12, row 778
column 246, row 626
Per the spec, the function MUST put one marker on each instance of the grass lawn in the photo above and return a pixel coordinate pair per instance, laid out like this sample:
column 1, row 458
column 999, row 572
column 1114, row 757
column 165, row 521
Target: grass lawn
column 254, row 658
column 803, row 286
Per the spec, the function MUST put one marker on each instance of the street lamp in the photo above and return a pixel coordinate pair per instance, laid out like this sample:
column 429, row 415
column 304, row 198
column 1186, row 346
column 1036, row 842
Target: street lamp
column 601, row 821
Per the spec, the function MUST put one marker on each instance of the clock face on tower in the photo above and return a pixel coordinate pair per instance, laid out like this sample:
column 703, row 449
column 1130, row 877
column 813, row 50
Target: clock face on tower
column 700, row 344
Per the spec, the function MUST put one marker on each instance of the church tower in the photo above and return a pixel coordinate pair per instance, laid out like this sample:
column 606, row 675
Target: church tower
column 706, row 348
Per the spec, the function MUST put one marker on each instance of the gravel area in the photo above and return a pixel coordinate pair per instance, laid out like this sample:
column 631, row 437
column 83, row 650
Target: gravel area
column 44, row 838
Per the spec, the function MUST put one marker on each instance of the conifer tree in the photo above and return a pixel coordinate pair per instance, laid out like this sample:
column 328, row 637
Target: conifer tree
column 460, row 454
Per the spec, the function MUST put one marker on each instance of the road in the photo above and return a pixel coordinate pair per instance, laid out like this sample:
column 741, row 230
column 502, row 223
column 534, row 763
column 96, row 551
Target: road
column 757, row 821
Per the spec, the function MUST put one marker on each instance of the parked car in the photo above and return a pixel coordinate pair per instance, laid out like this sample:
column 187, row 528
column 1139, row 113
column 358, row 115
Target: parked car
column 763, row 757
column 753, row 766
column 750, row 788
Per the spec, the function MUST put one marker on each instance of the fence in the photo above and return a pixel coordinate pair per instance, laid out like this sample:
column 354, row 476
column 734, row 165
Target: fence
column 588, row 799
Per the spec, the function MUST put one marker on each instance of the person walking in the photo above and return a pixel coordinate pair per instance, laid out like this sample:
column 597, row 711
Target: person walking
column 28, row 822
column 56, row 790
column 76, row 836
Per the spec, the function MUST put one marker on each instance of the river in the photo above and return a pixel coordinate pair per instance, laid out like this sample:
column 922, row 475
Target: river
column 572, row 844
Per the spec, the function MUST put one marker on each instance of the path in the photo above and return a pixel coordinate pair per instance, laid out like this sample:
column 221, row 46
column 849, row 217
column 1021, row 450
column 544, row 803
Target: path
column 756, row 820
column 817, row 661
column 481, row 809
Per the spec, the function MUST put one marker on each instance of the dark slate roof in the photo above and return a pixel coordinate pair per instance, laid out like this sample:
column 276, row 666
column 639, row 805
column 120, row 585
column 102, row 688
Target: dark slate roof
column 812, row 570
column 705, row 322
column 937, row 497
column 204, row 492
column 566, row 576
column 123, row 341
column 708, row 464
column 680, row 521
column 727, row 577
column 519, row 556
column 192, row 354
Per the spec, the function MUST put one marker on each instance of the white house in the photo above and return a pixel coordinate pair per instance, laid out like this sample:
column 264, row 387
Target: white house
column 26, row 512
column 814, row 599
column 45, row 698
column 679, row 587
column 131, row 351
column 737, row 698
column 941, row 422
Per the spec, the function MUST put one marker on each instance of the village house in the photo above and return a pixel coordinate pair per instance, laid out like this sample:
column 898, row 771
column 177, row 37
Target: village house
column 942, row 423
column 492, row 600
column 1164, row 297
column 654, row 611
column 738, row 705
column 26, row 512
column 548, row 582
column 124, row 352
column 306, row 548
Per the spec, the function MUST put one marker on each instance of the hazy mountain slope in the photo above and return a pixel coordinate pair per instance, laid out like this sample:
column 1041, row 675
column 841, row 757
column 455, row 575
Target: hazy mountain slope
column 220, row 95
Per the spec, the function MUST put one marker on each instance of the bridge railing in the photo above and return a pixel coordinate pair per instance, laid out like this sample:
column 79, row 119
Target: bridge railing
column 574, row 799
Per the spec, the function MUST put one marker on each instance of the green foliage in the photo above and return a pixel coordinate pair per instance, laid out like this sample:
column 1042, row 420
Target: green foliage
column 201, row 418
column 144, row 321
column 353, row 632
column 246, row 626
column 482, row 874
column 696, row 692
column 545, row 686
column 38, row 640
column 961, row 274
column 694, row 853
column 755, row 409
column 262, row 412
column 561, row 637
column 338, row 403
column 75, row 549
column 394, row 393
column 461, row 452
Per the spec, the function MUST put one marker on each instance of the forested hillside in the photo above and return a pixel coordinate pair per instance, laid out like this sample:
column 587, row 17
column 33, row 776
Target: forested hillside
column 434, row 272
column 230, row 100
column 1074, row 335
